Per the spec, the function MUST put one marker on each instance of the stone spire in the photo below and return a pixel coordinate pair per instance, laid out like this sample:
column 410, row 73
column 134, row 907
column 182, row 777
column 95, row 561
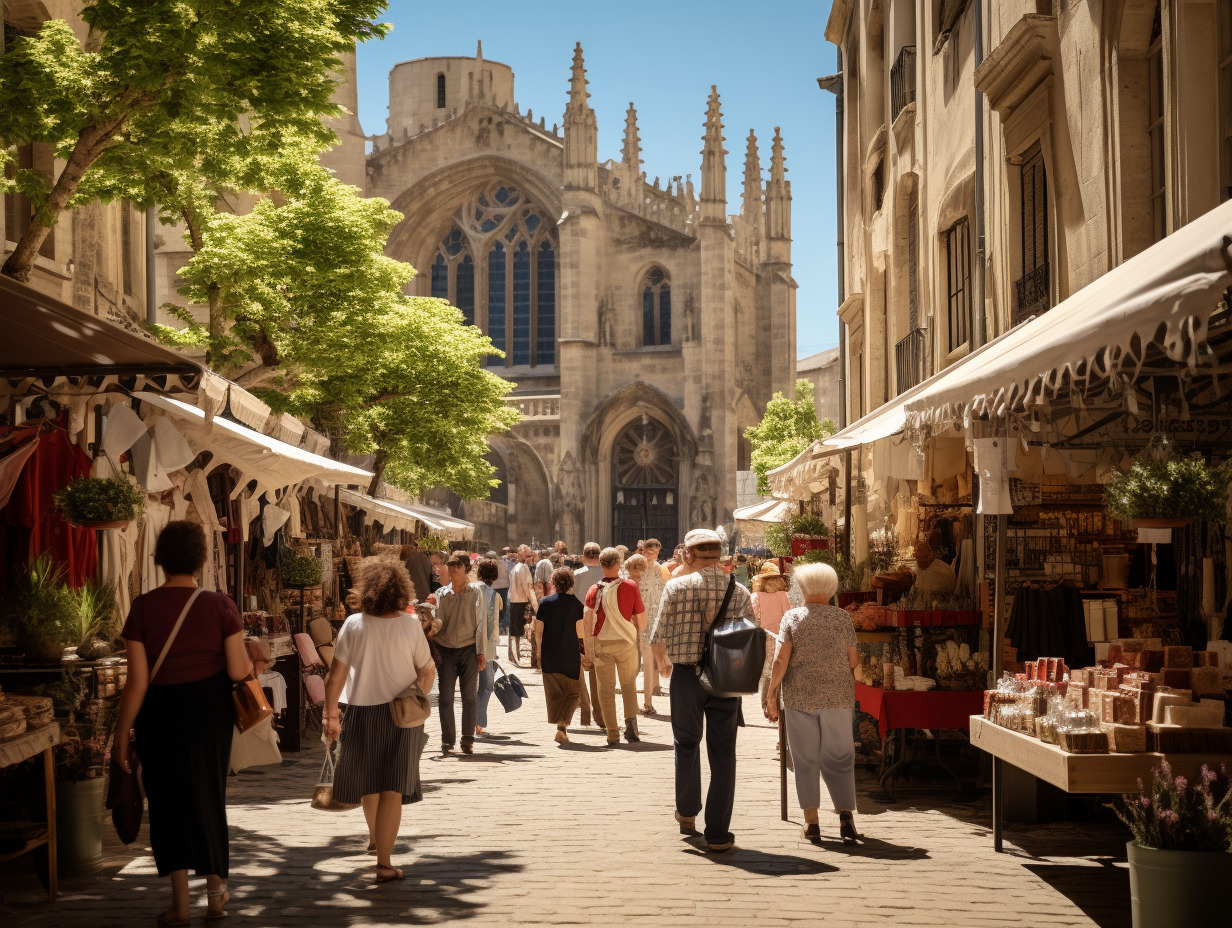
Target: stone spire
column 581, row 133
column 714, row 166
column 751, row 199
column 778, row 193
column 631, row 153
column 479, row 81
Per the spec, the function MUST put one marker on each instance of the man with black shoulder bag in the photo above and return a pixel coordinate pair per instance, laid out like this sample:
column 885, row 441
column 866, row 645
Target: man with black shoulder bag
column 690, row 606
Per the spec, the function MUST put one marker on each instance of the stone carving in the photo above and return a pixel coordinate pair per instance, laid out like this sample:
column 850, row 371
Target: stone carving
column 690, row 319
column 701, row 502
column 570, row 502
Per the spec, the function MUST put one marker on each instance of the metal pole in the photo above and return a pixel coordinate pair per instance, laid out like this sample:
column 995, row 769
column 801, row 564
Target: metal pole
column 782, row 764
column 979, row 333
column 151, row 279
column 998, row 634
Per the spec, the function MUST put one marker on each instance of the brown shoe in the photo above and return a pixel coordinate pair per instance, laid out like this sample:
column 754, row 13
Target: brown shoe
column 562, row 737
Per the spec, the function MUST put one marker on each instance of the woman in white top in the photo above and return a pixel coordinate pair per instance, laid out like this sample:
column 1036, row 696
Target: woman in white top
column 379, row 653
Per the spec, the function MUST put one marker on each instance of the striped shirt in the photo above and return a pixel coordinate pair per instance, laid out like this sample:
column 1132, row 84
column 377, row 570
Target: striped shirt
column 689, row 606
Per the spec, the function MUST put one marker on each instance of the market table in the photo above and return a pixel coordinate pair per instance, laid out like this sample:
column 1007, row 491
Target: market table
column 903, row 710
column 31, row 744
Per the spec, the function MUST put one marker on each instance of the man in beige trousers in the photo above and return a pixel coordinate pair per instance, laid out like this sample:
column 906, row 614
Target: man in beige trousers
column 619, row 615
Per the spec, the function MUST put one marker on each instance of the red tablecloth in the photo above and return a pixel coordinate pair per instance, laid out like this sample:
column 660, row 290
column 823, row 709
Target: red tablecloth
column 939, row 709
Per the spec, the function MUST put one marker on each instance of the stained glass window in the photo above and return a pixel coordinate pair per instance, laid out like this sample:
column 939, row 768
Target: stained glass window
column 496, row 301
column 466, row 289
column 440, row 278
column 656, row 309
column 521, row 305
column 545, row 349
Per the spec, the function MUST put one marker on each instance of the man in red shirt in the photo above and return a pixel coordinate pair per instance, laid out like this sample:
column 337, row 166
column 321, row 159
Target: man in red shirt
column 618, row 615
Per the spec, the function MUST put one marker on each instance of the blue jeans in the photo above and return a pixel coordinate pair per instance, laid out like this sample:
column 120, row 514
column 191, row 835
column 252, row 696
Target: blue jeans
column 691, row 707
column 486, row 677
column 459, row 668
column 504, row 616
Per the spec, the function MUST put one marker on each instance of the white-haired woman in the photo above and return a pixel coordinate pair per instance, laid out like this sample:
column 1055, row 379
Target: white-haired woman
column 814, row 664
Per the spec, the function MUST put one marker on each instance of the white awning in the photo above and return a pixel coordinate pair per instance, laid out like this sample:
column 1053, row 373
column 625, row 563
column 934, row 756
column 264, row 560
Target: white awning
column 273, row 464
column 391, row 515
column 1171, row 288
column 772, row 510
column 454, row 529
column 797, row 478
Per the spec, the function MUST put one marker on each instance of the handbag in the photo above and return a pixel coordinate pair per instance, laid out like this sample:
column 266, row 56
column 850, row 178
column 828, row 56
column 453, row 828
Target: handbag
column 125, row 793
column 251, row 706
column 733, row 654
column 321, row 631
column 323, row 792
column 508, row 689
column 410, row 708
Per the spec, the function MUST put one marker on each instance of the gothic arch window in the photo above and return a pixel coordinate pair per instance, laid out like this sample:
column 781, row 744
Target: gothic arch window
column 498, row 265
column 656, row 308
column 440, row 91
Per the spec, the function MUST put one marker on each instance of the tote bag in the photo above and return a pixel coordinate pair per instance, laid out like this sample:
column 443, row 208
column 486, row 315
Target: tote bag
column 733, row 654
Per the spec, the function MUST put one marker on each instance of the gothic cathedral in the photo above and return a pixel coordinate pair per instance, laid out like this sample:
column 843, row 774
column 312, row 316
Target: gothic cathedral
column 644, row 327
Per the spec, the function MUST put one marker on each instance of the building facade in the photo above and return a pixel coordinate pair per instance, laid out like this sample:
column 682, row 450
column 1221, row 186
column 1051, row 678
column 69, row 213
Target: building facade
column 1084, row 133
column 643, row 326
column 824, row 372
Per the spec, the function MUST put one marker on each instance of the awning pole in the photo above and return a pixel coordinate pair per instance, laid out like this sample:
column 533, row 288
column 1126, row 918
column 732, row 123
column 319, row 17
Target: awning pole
column 998, row 635
column 337, row 515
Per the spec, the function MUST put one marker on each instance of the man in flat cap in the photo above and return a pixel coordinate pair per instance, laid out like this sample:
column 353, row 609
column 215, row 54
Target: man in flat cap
column 689, row 606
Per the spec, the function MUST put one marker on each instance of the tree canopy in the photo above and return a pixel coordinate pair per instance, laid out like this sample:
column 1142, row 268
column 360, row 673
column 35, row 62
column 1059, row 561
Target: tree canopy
column 787, row 428
column 159, row 85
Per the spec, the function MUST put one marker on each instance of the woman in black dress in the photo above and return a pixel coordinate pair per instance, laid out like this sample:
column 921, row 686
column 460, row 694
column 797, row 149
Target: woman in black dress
column 558, row 623
column 182, row 716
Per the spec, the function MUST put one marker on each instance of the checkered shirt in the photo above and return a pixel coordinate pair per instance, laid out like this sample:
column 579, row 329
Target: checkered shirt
column 688, row 607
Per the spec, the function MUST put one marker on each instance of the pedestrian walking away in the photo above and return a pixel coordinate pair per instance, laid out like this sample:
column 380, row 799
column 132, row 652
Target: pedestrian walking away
column 559, row 626
column 690, row 604
column 644, row 571
column 814, row 664
column 185, row 647
column 618, row 615
column 522, row 596
column 463, row 644
column 381, row 651
column 491, row 607
column 584, row 578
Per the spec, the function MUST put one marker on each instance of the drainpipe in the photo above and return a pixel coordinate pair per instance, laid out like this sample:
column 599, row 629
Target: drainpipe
column 979, row 334
column 151, row 288
column 834, row 84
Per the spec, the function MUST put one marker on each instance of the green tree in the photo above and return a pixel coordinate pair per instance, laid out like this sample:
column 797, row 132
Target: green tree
column 160, row 82
column 787, row 428
column 307, row 309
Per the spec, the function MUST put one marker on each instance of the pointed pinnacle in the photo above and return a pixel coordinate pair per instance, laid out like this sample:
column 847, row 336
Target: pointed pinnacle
column 479, row 49
column 714, row 119
column 778, row 168
column 632, row 148
column 577, row 79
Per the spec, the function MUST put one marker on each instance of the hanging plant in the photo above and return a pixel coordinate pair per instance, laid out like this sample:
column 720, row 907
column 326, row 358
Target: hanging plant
column 1162, row 486
column 811, row 525
column 100, row 502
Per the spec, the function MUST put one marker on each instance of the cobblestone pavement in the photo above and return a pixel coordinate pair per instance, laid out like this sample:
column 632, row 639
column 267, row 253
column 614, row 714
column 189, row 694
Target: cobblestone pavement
column 528, row 832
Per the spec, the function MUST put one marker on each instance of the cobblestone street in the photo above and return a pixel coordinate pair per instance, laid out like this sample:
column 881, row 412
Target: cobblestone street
column 528, row 832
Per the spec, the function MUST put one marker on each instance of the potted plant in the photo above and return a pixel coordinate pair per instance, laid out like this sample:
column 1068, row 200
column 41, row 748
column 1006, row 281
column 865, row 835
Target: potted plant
column 1180, row 858
column 300, row 570
column 100, row 502
column 91, row 632
column 809, row 532
column 1163, row 490
column 41, row 609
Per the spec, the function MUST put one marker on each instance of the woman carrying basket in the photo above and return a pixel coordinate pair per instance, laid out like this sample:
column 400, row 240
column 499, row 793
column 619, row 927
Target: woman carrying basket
column 381, row 650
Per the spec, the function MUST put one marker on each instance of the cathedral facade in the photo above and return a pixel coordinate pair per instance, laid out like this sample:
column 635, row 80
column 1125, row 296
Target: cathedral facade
column 644, row 327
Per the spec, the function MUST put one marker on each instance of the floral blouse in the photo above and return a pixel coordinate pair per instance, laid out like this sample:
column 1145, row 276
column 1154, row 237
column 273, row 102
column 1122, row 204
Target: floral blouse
column 818, row 674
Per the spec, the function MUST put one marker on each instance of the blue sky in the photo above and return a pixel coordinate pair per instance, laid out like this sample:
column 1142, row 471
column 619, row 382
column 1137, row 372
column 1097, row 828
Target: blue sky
column 765, row 60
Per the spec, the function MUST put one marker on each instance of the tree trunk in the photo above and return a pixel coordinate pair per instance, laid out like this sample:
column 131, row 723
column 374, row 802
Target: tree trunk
column 378, row 469
column 92, row 142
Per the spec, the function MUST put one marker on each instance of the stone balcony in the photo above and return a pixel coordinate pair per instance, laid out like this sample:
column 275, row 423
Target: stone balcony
column 541, row 408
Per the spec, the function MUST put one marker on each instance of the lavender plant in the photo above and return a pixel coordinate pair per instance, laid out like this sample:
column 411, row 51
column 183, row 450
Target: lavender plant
column 1176, row 814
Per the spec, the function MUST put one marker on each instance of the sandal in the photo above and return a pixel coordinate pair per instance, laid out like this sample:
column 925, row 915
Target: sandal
column 213, row 915
column 387, row 874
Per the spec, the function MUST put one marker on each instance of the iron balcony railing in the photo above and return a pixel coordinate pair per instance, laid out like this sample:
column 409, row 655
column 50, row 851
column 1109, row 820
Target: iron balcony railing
column 1032, row 294
column 909, row 359
column 902, row 81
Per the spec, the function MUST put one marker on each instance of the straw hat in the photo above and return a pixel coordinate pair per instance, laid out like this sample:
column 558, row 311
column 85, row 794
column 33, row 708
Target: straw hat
column 769, row 569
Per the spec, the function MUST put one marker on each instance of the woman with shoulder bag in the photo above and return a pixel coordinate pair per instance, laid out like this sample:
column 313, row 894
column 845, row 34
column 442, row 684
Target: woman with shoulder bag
column 185, row 649
column 380, row 652
column 559, row 626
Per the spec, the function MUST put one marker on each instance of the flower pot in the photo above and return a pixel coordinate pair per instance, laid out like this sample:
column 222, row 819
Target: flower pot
column 1177, row 889
column 79, row 825
column 122, row 523
column 1161, row 522
column 39, row 646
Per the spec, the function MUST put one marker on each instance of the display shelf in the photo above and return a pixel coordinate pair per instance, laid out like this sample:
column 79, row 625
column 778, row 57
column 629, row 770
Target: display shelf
column 1079, row 773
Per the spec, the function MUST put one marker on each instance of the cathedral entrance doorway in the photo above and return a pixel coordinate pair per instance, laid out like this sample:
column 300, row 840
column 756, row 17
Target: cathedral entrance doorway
column 645, row 492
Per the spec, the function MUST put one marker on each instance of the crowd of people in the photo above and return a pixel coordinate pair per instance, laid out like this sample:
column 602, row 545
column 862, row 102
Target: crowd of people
column 590, row 624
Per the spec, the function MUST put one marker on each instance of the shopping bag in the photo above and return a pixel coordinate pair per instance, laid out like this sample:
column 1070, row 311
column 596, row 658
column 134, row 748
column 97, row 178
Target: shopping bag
column 508, row 689
column 323, row 794
column 126, row 798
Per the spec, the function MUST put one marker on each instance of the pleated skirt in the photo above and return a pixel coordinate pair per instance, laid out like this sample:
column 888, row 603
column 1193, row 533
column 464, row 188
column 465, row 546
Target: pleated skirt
column 184, row 735
column 376, row 756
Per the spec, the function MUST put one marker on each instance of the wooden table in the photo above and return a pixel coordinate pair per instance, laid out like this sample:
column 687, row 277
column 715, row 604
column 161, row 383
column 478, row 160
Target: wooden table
column 1077, row 773
column 31, row 744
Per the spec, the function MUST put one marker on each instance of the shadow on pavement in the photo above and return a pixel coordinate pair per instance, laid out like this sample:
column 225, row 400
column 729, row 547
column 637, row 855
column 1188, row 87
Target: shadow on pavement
column 873, row 848
column 583, row 748
column 644, row 746
column 1101, row 891
column 766, row 863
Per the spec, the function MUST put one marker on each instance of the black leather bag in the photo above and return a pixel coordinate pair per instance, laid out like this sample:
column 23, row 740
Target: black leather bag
column 733, row 654
column 508, row 689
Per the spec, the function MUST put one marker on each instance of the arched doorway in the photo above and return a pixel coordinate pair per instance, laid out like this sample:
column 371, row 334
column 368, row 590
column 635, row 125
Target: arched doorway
column 645, row 484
